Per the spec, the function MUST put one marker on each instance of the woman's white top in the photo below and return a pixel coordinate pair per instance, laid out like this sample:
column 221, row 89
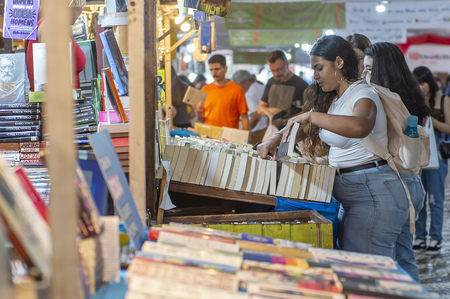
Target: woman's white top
column 347, row 152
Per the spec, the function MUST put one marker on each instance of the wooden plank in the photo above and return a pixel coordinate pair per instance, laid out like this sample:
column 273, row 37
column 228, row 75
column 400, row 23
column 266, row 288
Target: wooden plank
column 137, row 106
column 61, row 159
column 221, row 193
column 150, row 53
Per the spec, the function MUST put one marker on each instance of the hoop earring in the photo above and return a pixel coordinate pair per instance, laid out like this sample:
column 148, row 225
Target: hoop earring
column 340, row 82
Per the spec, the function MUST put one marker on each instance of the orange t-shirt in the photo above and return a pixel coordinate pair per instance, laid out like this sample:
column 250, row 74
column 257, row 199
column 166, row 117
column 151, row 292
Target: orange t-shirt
column 224, row 105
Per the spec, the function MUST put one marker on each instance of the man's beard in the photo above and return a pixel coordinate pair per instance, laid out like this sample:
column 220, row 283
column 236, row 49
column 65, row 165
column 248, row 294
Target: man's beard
column 6, row 77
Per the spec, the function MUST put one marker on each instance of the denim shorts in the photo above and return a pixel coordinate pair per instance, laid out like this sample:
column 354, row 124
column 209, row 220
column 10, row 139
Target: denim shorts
column 375, row 209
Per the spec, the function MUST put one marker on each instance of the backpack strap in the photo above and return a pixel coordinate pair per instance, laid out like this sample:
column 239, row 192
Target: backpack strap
column 441, row 110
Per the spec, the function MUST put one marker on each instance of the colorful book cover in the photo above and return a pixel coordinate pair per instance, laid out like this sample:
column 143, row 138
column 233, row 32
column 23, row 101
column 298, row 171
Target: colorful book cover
column 161, row 82
column 115, row 60
column 80, row 30
column 205, row 37
column 20, row 19
column 113, row 96
column 12, row 78
column 214, row 7
column 117, row 183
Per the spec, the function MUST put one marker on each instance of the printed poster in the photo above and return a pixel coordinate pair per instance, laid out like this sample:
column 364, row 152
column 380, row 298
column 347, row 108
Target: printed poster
column 20, row 19
column 12, row 78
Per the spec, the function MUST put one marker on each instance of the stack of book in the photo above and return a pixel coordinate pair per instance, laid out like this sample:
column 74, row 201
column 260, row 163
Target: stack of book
column 20, row 122
column 86, row 120
column 122, row 147
column 195, row 262
column 238, row 167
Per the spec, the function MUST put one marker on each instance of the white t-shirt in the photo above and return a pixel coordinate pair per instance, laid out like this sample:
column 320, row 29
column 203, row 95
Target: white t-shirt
column 347, row 152
column 253, row 96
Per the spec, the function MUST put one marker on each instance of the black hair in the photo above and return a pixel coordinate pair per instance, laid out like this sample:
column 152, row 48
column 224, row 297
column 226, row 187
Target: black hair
column 424, row 75
column 358, row 41
column 389, row 69
column 331, row 46
column 218, row 59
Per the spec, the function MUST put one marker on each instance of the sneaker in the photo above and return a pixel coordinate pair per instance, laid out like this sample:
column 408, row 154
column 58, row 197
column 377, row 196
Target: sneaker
column 434, row 247
column 419, row 245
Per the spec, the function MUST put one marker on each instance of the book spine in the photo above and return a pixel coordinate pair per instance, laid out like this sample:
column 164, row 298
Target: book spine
column 19, row 111
column 85, row 120
column 20, row 117
column 20, row 105
column 20, row 123
column 19, row 134
column 30, row 150
column 85, row 114
column 30, row 156
column 31, row 144
column 19, row 128
column 115, row 96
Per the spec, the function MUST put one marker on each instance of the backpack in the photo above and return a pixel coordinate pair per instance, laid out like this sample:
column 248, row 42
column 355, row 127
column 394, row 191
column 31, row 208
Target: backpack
column 403, row 153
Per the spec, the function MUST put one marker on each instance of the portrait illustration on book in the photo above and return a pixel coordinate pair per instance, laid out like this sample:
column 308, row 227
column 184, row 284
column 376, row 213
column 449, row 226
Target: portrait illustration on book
column 12, row 78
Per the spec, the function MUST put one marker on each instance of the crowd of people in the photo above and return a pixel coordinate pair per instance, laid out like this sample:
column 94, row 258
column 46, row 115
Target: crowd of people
column 336, row 112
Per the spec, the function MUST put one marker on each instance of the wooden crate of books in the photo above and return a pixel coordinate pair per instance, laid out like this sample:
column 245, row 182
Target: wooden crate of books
column 301, row 226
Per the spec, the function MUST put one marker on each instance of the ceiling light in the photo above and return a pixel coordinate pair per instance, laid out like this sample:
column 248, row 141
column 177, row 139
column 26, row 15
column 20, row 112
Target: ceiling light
column 179, row 19
column 329, row 32
column 306, row 47
column 187, row 58
column 297, row 45
column 185, row 27
column 380, row 8
column 288, row 56
column 190, row 48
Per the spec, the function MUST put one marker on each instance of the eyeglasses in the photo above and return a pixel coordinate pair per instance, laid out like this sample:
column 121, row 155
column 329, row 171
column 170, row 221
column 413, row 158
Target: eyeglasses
column 279, row 70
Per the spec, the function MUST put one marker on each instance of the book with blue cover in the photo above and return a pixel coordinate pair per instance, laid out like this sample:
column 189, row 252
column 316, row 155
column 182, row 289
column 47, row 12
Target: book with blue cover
column 117, row 183
column 115, row 60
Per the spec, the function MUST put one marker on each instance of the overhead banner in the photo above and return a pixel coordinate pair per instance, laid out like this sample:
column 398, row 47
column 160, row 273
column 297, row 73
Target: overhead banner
column 258, row 58
column 375, row 35
column 20, row 19
column 273, row 38
column 435, row 57
column 285, row 16
column 409, row 15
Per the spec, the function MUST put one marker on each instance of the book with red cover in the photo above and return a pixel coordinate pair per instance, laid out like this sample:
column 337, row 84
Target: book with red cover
column 32, row 193
column 121, row 144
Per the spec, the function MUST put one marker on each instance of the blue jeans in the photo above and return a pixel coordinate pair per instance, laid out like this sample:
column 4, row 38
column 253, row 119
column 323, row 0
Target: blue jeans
column 403, row 247
column 434, row 184
column 375, row 210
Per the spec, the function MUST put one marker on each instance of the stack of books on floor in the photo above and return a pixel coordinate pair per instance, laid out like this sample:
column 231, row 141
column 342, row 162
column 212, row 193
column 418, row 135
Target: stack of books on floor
column 225, row 165
column 194, row 262
column 20, row 122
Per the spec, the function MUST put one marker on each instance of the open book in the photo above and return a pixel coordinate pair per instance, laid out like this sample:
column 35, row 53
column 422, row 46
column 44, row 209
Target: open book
column 286, row 149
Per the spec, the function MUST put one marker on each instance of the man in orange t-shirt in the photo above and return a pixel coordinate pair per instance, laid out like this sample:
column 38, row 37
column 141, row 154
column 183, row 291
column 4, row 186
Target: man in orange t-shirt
column 225, row 103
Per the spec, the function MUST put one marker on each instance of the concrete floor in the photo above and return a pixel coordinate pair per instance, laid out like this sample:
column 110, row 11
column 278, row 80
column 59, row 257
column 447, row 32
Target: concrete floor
column 435, row 269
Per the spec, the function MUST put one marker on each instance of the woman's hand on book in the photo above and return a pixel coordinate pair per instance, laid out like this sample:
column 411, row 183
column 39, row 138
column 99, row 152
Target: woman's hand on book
column 268, row 149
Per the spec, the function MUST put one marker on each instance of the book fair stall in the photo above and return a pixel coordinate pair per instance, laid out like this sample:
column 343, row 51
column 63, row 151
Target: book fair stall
column 99, row 198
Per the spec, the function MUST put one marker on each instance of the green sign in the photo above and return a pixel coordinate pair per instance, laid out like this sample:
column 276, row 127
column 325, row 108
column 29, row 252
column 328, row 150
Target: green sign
column 285, row 16
column 258, row 58
column 273, row 38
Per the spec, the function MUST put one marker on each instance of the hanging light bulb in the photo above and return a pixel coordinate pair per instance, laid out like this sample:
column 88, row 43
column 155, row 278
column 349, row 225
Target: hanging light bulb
column 179, row 19
column 185, row 27
column 187, row 58
column 190, row 48
column 297, row 45
column 380, row 8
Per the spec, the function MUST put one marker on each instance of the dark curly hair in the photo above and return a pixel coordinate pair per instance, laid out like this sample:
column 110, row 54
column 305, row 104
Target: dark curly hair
column 424, row 75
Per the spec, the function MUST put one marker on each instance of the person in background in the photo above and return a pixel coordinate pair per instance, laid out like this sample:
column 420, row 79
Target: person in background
column 433, row 179
column 446, row 88
column 283, row 92
column 199, row 81
column 78, row 54
column 183, row 112
column 253, row 93
column 225, row 103
column 370, row 192
column 385, row 64
column 186, row 80
column 359, row 43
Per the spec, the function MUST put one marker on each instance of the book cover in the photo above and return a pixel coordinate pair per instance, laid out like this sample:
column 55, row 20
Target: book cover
column 20, row 23
column 117, row 183
column 214, row 7
column 205, row 37
column 25, row 222
column 115, row 60
column 113, row 96
column 113, row 6
column 80, row 29
column 194, row 96
column 39, row 66
column 285, row 150
column 12, row 78
column 90, row 70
